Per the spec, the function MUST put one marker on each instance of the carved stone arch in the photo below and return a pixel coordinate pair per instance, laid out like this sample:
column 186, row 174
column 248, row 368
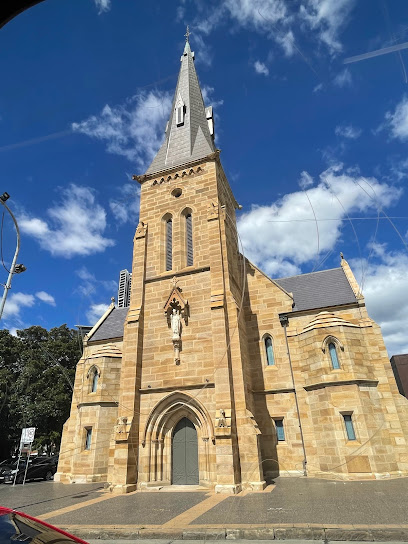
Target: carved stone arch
column 177, row 401
column 93, row 375
column 167, row 242
column 186, row 210
column 156, row 454
column 93, row 368
column 187, row 218
column 333, row 357
column 264, row 355
column 166, row 217
column 330, row 339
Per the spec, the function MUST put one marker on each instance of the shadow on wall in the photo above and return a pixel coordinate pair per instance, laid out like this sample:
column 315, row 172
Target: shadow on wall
column 267, row 438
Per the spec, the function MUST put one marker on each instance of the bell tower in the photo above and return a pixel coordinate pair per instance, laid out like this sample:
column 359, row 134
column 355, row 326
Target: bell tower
column 184, row 350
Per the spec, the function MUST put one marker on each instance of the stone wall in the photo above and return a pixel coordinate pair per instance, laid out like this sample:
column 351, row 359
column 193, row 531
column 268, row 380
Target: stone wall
column 218, row 376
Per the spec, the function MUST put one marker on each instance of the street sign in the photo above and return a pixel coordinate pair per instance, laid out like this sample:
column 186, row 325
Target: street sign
column 27, row 435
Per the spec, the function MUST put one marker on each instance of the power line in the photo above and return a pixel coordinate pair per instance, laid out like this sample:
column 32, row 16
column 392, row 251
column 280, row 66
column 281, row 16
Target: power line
column 334, row 219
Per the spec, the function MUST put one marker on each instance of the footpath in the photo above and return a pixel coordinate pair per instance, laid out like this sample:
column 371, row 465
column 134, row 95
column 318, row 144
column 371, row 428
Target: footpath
column 291, row 508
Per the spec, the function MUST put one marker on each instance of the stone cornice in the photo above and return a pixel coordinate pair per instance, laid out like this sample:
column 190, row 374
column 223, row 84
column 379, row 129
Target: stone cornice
column 322, row 385
column 176, row 388
column 274, row 391
column 169, row 173
column 312, row 311
column 177, row 274
column 104, row 403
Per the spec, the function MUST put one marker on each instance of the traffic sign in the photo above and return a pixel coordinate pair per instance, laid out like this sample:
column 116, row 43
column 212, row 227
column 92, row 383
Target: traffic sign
column 27, row 435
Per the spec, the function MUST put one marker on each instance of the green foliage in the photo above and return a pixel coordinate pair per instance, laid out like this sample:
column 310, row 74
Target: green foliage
column 37, row 370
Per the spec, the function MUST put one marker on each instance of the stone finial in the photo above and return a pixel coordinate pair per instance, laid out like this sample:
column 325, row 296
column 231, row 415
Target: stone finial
column 141, row 230
column 174, row 282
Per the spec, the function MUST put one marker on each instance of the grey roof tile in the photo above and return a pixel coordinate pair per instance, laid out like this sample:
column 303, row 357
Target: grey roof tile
column 192, row 140
column 315, row 290
column 112, row 327
column 319, row 289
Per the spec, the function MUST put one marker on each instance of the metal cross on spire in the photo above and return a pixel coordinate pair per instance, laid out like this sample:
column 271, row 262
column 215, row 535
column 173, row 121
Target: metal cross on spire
column 187, row 35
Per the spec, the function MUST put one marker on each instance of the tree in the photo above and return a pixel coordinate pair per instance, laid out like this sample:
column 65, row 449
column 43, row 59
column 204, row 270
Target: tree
column 39, row 372
column 9, row 355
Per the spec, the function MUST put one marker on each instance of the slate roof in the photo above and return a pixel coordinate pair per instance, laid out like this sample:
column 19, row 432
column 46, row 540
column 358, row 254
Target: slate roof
column 315, row 290
column 112, row 327
column 192, row 140
column 319, row 289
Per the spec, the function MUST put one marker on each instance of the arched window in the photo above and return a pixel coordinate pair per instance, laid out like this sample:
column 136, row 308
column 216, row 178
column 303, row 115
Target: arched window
column 270, row 359
column 95, row 378
column 333, row 355
column 169, row 244
column 189, row 239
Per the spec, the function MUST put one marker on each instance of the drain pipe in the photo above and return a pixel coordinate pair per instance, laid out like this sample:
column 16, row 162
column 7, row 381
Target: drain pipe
column 284, row 321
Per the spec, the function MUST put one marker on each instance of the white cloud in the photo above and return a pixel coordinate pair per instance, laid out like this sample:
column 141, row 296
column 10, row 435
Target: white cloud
column 126, row 208
column 287, row 41
column 258, row 14
column 103, row 5
column 305, row 180
column 208, row 97
column 348, row 131
column 318, row 88
column 95, row 312
column 321, row 20
column 261, row 68
column 45, row 297
column 275, row 239
column 134, row 129
column 343, row 79
column 180, row 12
column 75, row 226
column 15, row 302
column 397, row 121
column 326, row 18
column 385, row 289
column 90, row 284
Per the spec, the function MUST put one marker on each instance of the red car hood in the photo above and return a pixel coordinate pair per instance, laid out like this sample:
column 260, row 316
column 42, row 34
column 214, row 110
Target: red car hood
column 14, row 523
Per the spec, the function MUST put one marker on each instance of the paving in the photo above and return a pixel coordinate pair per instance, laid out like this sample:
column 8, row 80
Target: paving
column 36, row 498
column 292, row 508
column 303, row 500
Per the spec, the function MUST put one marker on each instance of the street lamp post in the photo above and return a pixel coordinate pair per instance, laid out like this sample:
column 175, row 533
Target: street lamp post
column 15, row 268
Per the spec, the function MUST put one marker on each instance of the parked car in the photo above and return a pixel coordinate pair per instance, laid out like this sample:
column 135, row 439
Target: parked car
column 18, row 527
column 54, row 459
column 5, row 466
column 38, row 468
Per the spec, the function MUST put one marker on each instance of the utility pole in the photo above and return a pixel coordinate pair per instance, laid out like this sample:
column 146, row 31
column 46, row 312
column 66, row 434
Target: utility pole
column 15, row 268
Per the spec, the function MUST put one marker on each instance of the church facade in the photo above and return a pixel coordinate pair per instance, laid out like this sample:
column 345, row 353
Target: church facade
column 216, row 375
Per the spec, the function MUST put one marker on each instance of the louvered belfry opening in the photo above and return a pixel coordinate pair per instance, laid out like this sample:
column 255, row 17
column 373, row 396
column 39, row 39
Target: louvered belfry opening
column 169, row 244
column 189, row 239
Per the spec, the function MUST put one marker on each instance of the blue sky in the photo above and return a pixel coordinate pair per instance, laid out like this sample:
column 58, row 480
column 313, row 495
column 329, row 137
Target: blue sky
column 85, row 94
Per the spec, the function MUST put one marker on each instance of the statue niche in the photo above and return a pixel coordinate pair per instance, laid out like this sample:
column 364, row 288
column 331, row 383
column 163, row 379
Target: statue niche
column 175, row 310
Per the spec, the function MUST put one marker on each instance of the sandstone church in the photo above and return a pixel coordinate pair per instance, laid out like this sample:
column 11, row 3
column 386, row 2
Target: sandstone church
column 215, row 374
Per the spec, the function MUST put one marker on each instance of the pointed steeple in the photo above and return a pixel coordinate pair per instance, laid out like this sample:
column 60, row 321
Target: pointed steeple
column 189, row 132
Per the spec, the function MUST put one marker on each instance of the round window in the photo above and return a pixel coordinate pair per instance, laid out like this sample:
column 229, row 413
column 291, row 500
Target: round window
column 176, row 192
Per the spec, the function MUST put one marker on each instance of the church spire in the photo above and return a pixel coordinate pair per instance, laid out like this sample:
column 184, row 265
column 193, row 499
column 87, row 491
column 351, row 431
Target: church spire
column 189, row 134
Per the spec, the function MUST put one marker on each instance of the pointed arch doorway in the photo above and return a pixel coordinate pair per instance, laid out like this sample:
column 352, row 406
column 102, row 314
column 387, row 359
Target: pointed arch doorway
column 184, row 454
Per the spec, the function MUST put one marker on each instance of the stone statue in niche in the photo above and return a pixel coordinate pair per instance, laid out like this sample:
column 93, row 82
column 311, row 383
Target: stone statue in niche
column 175, row 319
column 176, row 309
